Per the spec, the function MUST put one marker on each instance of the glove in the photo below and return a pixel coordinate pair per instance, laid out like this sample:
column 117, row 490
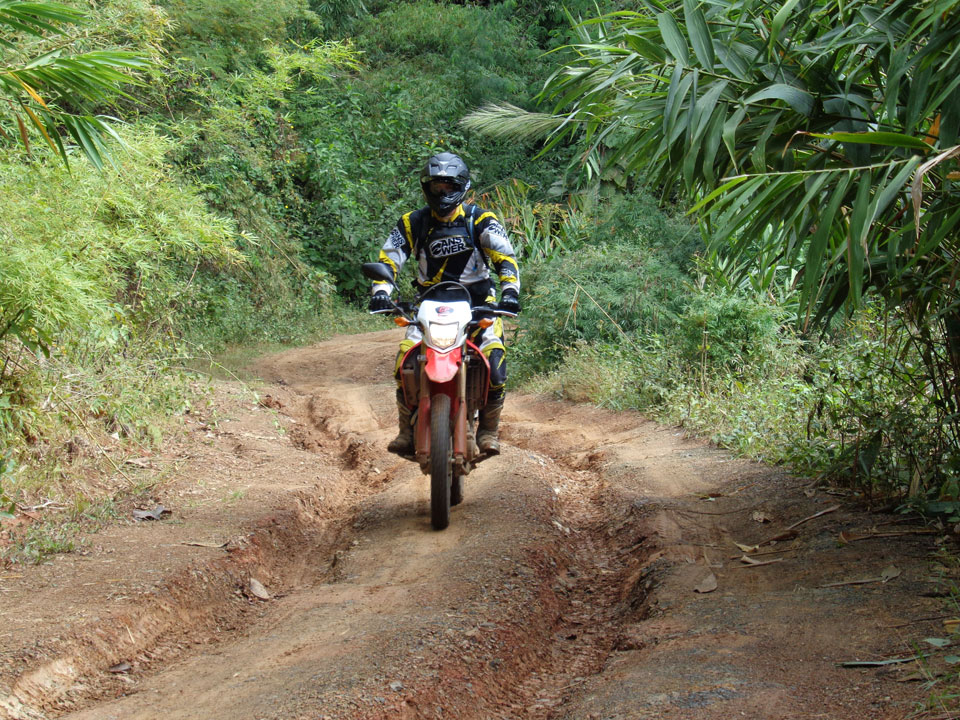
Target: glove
column 380, row 302
column 510, row 302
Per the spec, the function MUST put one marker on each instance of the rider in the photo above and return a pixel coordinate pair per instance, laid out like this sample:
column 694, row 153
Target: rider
column 453, row 242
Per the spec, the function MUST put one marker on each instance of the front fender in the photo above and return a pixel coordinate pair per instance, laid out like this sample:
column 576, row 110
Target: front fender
column 442, row 367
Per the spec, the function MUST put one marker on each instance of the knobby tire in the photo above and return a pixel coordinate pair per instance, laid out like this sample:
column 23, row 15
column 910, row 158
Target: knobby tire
column 441, row 461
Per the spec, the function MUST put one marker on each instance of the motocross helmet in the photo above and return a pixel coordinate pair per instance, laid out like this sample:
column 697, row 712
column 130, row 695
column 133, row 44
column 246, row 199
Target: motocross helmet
column 449, row 167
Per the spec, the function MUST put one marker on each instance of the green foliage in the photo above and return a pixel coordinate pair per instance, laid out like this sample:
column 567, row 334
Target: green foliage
column 90, row 275
column 95, row 250
column 855, row 408
column 337, row 15
column 364, row 140
column 795, row 131
column 549, row 22
column 50, row 92
column 618, row 282
column 818, row 143
column 228, row 36
column 37, row 541
column 7, row 465
column 540, row 230
column 240, row 144
column 727, row 332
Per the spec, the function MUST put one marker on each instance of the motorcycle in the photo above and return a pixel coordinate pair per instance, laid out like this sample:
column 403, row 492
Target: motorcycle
column 445, row 378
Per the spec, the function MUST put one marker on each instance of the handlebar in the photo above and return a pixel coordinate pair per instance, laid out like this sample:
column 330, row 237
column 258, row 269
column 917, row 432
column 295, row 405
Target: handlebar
column 479, row 312
column 489, row 309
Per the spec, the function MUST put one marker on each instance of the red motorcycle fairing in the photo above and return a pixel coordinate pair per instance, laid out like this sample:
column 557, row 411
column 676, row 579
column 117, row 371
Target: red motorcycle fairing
column 442, row 367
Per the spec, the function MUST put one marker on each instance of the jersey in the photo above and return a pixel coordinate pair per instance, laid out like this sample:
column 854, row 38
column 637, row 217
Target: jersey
column 451, row 250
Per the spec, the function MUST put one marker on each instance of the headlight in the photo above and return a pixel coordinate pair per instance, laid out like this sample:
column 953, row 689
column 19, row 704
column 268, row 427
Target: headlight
column 443, row 335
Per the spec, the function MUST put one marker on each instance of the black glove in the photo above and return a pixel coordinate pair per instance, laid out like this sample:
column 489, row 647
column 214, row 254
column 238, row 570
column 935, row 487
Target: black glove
column 380, row 302
column 510, row 302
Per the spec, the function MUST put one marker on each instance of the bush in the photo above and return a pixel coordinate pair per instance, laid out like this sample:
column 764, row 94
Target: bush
column 83, row 249
column 618, row 285
column 721, row 332
column 228, row 36
column 854, row 407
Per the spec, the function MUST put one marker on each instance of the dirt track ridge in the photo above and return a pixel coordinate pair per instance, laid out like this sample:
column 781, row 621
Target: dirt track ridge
column 564, row 588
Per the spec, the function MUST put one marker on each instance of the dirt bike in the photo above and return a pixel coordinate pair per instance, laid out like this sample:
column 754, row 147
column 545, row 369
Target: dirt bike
column 445, row 378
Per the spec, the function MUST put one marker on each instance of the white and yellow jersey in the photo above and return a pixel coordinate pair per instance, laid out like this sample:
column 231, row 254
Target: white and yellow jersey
column 462, row 249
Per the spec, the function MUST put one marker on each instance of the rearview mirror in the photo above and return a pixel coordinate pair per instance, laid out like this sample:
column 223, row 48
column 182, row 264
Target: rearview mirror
column 377, row 271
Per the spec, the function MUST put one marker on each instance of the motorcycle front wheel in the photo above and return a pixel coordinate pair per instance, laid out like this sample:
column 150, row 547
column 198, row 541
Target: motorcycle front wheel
column 441, row 461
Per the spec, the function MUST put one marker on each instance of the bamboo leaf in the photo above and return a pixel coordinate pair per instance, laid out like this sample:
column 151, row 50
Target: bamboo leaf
column 704, row 108
column 673, row 38
column 44, row 59
column 890, row 139
column 732, row 61
column 856, row 252
column 647, row 49
column 727, row 186
column 888, row 191
column 816, row 252
column 916, row 188
column 820, row 98
column 699, row 34
column 799, row 100
column 24, row 138
column 40, row 126
column 79, row 129
column 31, row 92
column 711, row 146
column 776, row 25
column 680, row 85
column 730, row 133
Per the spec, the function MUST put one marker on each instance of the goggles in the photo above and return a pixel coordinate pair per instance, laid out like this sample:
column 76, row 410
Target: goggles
column 444, row 185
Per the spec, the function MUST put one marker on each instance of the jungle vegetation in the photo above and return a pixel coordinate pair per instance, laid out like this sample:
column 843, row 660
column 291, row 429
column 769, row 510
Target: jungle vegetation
column 734, row 216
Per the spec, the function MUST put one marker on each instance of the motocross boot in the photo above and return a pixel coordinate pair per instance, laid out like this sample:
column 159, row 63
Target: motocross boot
column 488, row 427
column 474, row 450
column 402, row 444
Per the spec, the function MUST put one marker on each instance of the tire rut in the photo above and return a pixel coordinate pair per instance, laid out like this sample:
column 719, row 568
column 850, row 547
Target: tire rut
column 503, row 615
column 197, row 607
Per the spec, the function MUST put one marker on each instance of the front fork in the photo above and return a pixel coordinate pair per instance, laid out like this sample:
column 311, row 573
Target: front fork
column 457, row 390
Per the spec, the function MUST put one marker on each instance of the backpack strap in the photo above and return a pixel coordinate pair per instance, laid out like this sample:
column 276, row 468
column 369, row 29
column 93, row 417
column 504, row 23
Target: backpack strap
column 471, row 230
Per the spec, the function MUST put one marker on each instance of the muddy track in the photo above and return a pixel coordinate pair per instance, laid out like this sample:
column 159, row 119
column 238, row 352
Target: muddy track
column 563, row 587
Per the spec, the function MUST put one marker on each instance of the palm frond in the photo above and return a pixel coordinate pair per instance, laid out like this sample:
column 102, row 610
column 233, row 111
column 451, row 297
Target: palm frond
column 508, row 121
column 825, row 110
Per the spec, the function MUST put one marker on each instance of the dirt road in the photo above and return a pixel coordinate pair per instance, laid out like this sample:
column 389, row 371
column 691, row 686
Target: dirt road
column 594, row 570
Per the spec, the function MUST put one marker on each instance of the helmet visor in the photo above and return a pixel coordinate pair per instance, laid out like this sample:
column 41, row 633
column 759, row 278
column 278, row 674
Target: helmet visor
column 444, row 186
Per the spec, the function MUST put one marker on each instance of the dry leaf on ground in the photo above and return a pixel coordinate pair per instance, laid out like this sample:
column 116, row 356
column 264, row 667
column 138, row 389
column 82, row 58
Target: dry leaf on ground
column 258, row 590
column 750, row 562
column 707, row 584
column 156, row 514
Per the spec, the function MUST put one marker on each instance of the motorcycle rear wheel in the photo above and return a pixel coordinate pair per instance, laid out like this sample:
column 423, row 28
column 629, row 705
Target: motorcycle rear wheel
column 441, row 461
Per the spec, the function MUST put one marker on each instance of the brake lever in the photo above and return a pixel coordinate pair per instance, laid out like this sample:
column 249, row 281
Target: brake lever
column 403, row 309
